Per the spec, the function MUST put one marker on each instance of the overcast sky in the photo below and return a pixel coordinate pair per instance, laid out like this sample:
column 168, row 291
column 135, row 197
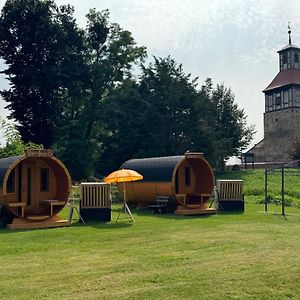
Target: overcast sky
column 234, row 42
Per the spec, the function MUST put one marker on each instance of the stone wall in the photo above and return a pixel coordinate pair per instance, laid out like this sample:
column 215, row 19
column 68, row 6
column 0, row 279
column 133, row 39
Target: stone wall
column 281, row 134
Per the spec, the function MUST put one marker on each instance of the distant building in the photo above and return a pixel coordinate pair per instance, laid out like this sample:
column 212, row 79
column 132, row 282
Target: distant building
column 282, row 111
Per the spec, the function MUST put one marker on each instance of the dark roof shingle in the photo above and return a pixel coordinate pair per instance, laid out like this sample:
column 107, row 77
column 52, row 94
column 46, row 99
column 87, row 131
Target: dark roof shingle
column 284, row 78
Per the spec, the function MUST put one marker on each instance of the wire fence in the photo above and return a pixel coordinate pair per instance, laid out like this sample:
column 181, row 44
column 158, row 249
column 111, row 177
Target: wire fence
column 282, row 187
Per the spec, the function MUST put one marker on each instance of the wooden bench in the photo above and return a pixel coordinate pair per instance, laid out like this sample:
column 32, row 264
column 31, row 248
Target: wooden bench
column 17, row 205
column 51, row 203
column 160, row 205
column 229, row 195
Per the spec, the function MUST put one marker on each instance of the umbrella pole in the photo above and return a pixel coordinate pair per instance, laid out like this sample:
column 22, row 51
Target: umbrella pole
column 126, row 208
column 124, row 193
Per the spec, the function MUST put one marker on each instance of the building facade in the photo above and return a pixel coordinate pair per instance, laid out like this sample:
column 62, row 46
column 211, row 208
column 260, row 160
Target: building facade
column 282, row 110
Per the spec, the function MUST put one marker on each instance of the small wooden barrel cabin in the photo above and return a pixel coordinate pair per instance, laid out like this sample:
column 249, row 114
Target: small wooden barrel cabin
column 35, row 186
column 188, row 180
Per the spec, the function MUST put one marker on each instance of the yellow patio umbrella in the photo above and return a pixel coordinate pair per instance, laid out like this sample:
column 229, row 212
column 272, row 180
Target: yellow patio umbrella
column 123, row 175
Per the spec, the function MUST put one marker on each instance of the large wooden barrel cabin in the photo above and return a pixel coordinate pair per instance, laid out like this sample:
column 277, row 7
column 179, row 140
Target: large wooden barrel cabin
column 188, row 180
column 34, row 188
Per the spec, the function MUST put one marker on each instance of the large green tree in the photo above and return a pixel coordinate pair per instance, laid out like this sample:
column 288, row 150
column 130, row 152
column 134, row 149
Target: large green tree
column 125, row 126
column 171, row 95
column 42, row 48
column 164, row 113
column 111, row 52
column 155, row 116
column 231, row 132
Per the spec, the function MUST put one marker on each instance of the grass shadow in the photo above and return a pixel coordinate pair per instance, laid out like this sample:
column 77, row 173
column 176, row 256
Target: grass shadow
column 167, row 215
column 103, row 225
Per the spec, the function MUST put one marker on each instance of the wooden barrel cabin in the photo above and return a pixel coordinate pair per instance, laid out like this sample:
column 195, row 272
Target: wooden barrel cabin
column 188, row 180
column 34, row 187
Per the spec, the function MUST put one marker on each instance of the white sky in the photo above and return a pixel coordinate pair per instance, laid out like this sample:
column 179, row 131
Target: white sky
column 232, row 41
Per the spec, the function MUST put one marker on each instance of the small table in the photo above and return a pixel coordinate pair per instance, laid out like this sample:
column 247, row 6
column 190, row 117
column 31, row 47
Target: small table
column 18, row 204
column 51, row 203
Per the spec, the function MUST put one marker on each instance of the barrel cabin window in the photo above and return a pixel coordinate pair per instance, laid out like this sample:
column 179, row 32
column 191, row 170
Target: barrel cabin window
column 11, row 182
column 44, row 180
column 176, row 182
column 187, row 176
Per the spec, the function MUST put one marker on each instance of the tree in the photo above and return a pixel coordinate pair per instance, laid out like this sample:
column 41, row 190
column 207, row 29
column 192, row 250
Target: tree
column 110, row 54
column 232, row 135
column 149, row 117
column 202, row 134
column 125, row 125
column 42, row 47
column 171, row 95
column 165, row 114
column 14, row 145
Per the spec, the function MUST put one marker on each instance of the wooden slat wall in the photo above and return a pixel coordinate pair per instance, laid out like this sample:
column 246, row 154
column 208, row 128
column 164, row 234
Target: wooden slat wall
column 230, row 189
column 95, row 195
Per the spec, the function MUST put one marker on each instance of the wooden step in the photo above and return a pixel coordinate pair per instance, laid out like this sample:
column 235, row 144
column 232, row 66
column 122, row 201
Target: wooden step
column 37, row 217
column 194, row 206
column 21, row 223
column 185, row 211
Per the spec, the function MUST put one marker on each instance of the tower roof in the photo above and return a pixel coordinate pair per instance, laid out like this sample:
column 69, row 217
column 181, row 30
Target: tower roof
column 289, row 46
column 283, row 78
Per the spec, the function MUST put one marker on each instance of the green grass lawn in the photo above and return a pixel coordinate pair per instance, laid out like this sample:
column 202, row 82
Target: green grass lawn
column 254, row 185
column 254, row 255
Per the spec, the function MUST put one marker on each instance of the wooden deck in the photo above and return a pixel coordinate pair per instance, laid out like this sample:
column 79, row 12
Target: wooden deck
column 184, row 211
column 21, row 223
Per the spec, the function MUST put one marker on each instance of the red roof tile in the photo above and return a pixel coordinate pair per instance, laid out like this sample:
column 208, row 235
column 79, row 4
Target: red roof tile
column 283, row 78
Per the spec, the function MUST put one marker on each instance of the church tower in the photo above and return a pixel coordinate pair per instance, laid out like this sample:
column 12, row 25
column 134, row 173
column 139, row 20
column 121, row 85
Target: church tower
column 282, row 108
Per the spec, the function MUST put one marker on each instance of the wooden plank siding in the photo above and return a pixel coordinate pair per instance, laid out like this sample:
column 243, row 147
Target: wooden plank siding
column 95, row 195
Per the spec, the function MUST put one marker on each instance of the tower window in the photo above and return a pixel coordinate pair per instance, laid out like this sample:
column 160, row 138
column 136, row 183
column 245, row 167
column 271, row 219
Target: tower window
column 271, row 101
column 284, row 58
column 297, row 97
column 286, row 98
column 296, row 58
column 277, row 99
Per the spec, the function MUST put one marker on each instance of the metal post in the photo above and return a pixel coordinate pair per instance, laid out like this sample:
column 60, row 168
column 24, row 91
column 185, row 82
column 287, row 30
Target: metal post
column 266, row 190
column 282, row 190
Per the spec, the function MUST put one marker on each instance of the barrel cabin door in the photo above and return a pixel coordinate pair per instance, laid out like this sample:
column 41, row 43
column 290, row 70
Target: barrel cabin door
column 29, row 187
column 185, row 184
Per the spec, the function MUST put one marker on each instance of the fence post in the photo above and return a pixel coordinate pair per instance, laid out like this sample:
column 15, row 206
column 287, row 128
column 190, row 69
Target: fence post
column 282, row 190
column 266, row 190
